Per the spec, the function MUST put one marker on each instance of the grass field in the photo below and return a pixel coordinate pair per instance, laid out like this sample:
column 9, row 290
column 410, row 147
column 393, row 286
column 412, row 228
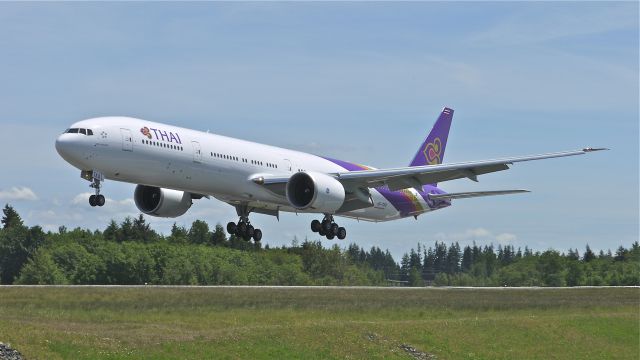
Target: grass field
column 320, row 323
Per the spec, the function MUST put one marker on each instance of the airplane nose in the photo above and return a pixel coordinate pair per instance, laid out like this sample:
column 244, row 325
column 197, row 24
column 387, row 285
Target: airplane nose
column 67, row 146
column 62, row 145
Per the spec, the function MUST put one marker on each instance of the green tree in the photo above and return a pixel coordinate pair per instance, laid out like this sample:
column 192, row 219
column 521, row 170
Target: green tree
column 467, row 259
column 142, row 230
column 441, row 279
column 575, row 273
column 11, row 217
column 112, row 231
column 219, row 237
column 41, row 270
column 588, row 254
column 17, row 244
column 415, row 277
column 621, row 254
column 550, row 266
column 126, row 231
column 199, row 233
column 453, row 259
column 178, row 234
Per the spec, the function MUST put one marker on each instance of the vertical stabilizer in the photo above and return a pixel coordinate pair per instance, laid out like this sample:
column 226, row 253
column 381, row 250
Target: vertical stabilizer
column 431, row 152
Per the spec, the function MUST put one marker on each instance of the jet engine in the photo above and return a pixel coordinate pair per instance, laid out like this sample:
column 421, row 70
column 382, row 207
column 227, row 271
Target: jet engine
column 161, row 202
column 320, row 192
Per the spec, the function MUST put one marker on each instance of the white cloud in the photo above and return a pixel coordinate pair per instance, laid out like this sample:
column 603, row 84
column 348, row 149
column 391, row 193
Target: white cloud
column 81, row 198
column 18, row 193
column 506, row 238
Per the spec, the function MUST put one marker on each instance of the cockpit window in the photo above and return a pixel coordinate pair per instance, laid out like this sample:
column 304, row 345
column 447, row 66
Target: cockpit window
column 79, row 131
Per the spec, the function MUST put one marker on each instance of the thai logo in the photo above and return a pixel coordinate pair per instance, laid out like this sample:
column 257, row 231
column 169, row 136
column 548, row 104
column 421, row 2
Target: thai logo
column 432, row 152
column 145, row 131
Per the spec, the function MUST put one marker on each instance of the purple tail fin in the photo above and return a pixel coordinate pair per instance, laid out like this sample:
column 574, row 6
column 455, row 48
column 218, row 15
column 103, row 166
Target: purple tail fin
column 431, row 152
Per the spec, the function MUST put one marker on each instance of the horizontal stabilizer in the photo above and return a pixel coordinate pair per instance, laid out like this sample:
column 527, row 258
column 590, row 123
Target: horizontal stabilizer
column 466, row 195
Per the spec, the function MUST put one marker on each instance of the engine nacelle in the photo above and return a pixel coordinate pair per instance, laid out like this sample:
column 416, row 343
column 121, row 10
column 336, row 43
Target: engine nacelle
column 309, row 190
column 161, row 202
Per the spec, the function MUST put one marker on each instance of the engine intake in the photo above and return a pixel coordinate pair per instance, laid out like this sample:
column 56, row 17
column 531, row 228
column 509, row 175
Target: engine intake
column 161, row 202
column 309, row 190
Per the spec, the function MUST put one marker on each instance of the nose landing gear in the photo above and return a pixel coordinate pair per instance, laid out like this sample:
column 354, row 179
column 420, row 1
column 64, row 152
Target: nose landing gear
column 96, row 179
column 328, row 228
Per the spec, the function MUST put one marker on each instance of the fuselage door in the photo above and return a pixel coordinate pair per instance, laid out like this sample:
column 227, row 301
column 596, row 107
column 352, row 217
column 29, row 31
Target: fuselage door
column 197, row 152
column 127, row 140
column 287, row 165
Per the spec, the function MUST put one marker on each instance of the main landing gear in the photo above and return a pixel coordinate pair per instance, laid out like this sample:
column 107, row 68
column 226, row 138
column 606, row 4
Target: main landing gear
column 96, row 179
column 328, row 228
column 243, row 229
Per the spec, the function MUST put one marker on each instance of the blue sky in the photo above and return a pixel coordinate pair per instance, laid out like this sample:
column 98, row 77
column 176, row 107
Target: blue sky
column 357, row 81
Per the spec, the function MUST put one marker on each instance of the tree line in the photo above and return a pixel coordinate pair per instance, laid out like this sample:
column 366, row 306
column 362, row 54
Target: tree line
column 486, row 265
column 131, row 252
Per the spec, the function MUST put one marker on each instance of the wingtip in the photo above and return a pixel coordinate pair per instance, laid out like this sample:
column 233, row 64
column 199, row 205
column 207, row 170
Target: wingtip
column 590, row 149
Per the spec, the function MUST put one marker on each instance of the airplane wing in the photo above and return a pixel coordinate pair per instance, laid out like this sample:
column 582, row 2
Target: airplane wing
column 467, row 195
column 416, row 176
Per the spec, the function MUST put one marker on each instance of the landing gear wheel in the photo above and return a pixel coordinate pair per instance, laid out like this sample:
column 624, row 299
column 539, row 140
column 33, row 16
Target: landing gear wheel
column 330, row 237
column 316, row 225
column 231, row 228
column 92, row 201
column 250, row 232
column 334, row 229
column 342, row 233
column 326, row 226
column 100, row 200
column 257, row 235
column 241, row 229
column 321, row 232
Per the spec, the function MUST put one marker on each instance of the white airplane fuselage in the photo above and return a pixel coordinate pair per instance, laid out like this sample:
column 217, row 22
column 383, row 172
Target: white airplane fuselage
column 148, row 153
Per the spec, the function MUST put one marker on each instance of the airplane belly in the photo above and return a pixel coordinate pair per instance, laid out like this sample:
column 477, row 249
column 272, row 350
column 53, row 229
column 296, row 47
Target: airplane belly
column 382, row 210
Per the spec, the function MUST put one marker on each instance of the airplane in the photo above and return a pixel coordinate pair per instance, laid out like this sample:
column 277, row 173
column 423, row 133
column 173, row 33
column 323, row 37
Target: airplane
column 172, row 166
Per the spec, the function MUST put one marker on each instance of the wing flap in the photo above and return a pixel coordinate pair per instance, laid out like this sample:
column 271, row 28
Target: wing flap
column 468, row 195
column 397, row 182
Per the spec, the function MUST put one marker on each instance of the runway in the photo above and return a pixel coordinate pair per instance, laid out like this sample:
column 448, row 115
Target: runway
column 398, row 288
